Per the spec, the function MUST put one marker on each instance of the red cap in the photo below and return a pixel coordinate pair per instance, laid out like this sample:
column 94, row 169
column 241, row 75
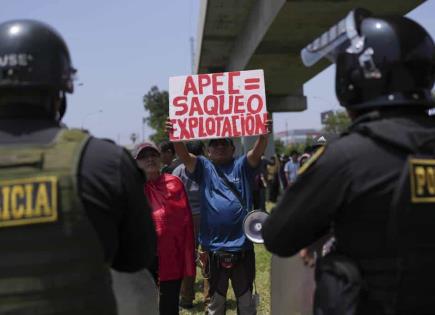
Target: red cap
column 144, row 146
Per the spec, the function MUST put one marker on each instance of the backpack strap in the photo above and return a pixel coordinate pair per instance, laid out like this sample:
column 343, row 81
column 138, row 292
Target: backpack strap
column 230, row 186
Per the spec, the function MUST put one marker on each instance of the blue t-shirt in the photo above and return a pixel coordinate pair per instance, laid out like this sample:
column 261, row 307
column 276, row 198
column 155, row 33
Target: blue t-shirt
column 222, row 214
column 291, row 169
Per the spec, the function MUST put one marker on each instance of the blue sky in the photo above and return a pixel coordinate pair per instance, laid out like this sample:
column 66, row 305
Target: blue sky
column 122, row 48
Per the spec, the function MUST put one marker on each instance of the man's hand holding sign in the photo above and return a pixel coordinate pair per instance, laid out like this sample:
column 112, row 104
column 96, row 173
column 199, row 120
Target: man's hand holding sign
column 217, row 105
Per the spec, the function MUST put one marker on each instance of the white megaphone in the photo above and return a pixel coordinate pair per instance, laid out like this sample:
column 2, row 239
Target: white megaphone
column 253, row 224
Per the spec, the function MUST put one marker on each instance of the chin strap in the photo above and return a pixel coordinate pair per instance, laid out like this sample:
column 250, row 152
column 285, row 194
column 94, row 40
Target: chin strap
column 62, row 107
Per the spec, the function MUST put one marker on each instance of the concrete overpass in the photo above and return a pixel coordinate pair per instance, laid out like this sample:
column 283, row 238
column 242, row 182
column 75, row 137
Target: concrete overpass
column 269, row 35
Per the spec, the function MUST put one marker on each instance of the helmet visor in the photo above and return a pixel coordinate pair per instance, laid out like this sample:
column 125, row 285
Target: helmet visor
column 341, row 37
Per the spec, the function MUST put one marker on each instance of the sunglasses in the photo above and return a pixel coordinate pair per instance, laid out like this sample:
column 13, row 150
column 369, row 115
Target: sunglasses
column 219, row 142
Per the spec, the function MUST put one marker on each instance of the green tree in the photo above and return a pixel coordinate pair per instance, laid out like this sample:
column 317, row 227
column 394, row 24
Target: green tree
column 156, row 102
column 298, row 147
column 279, row 146
column 309, row 141
column 337, row 123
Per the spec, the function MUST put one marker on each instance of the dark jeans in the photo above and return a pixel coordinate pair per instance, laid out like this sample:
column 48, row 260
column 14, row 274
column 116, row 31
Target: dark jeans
column 273, row 189
column 242, row 275
column 259, row 199
column 169, row 295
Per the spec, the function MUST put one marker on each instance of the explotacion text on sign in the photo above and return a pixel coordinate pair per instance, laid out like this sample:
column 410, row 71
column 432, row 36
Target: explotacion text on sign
column 217, row 105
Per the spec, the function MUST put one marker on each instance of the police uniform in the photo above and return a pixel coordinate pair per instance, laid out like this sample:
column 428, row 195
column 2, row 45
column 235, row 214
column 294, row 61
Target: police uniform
column 71, row 205
column 373, row 188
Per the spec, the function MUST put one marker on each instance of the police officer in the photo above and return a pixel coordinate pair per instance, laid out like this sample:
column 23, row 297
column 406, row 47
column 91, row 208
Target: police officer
column 374, row 188
column 70, row 205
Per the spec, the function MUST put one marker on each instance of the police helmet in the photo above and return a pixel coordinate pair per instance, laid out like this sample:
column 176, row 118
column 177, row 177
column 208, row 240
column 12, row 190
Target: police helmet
column 34, row 55
column 381, row 61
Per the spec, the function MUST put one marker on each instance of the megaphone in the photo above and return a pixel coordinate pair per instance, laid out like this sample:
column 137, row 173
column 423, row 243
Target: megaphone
column 253, row 224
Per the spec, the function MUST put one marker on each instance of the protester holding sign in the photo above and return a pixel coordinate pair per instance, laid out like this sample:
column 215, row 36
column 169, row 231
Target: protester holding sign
column 226, row 198
column 217, row 106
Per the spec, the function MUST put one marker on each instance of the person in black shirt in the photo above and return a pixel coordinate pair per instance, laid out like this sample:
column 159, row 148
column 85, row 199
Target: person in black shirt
column 169, row 160
column 72, row 205
column 373, row 188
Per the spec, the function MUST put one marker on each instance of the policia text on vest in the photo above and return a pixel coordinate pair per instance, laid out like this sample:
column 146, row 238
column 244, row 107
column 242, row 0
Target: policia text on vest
column 28, row 201
column 422, row 180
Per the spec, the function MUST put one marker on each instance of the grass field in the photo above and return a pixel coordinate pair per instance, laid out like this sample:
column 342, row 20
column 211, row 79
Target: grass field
column 262, row 281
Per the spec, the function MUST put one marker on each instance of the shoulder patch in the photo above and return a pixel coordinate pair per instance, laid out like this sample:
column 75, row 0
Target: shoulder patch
column 311, row 160
column 422, row 178
column 28, row 201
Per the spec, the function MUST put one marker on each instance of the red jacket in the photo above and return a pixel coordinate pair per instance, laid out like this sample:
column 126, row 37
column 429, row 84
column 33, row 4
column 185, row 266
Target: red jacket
column 173, row 220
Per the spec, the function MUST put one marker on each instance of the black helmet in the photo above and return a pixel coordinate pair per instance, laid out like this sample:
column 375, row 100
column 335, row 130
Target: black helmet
column 34, row 55
column 388, row 61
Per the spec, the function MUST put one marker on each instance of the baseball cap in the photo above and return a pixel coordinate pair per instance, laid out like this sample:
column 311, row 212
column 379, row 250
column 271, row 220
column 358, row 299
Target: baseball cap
column 143, row 146
column 229, row 140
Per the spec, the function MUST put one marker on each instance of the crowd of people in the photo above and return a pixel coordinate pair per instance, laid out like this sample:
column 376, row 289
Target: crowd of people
column 73, row 205
column 191, row 189
column 279, row 171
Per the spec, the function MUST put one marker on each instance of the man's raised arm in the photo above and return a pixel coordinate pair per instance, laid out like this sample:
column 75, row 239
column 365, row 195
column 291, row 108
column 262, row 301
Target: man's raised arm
column 254, row 155
column 187, row 158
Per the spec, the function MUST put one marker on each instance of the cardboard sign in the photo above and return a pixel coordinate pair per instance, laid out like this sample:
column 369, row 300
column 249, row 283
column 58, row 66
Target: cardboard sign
column 217, row 105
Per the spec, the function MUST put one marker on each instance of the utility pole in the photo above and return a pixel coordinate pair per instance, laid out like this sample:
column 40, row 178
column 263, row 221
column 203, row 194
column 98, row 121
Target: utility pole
column 286, row 133
column 143, row 128
column 192, row 54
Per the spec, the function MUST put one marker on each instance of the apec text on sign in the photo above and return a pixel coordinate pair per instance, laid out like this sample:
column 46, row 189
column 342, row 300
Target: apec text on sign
column 217, row 105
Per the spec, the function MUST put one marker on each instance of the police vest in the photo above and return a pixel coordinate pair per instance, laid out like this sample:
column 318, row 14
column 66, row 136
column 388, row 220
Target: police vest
column 405, row 284
column 51, row 259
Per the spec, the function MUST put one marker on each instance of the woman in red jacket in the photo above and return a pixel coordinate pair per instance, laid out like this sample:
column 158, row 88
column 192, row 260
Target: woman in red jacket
column 173, row 220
